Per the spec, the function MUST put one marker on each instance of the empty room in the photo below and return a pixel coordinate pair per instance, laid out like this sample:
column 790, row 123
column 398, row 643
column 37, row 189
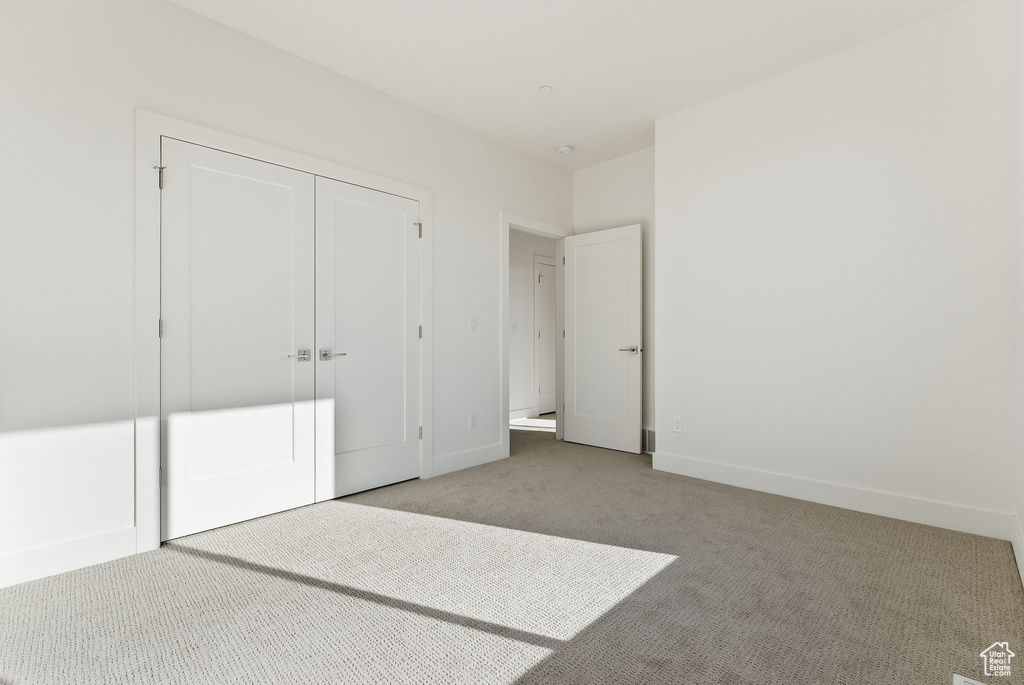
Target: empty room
column 488, row 342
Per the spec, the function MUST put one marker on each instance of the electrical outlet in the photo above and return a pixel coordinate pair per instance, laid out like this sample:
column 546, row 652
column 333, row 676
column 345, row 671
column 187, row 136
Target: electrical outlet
column 472, row 420
column 677, row 424
column 472, row 323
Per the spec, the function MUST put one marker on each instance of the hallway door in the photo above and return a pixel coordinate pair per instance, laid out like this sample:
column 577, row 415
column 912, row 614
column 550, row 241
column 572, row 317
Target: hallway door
column 603, row 343
column 545, row 336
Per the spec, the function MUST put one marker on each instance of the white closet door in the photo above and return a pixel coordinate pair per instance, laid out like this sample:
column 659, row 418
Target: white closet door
column 545, row 338
column 368, row 352
column 237, row 306
column 603, row 344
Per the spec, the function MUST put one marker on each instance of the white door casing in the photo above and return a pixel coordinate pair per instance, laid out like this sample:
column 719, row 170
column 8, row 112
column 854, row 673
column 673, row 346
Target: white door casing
column 368, row 345
column 545, row 301
column 236, row 300
column 603, row 338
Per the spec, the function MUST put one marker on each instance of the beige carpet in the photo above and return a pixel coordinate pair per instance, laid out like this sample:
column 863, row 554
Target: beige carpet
column 563, row 564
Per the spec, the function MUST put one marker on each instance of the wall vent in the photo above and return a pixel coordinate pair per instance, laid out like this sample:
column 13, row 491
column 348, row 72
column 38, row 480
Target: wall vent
column 647, row 440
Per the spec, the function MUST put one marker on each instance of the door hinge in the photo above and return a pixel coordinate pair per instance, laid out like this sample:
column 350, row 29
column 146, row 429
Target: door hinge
column 161, row 476
column 538, row 278
column 419, row 224
column 160, row 175
column 563, row 334
column 421, row 432
column 563, row 260
column 421, row 331
column 538, row 335
column 160, row 328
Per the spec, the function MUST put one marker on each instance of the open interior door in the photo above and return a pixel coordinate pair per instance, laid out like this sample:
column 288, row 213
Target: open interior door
column 603, row 343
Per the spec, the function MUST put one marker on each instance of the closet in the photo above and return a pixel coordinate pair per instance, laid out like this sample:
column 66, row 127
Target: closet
column 290, row 330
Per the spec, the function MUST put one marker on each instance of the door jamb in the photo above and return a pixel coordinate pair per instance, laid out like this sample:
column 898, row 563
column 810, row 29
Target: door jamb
column 149, row 130
column 511, row 221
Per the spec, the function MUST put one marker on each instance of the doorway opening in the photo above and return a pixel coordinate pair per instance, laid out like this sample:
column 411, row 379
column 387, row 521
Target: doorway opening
column 602, row 339
column 598, row 333
column 533, row 303
column 538, row 247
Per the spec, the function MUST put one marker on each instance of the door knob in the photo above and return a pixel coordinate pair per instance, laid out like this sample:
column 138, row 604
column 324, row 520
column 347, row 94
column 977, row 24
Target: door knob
column 327, row 355
column 302, row 355
column 632, row 349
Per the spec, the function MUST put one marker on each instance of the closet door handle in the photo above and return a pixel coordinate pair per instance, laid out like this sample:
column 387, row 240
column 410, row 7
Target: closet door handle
column 632, row 349
column 302, row 356
column 327, row 355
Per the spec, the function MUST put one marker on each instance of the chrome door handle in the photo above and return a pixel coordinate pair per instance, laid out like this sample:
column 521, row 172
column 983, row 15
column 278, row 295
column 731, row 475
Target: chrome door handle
column 632, row 349
column 327, row 355
column 302, row 355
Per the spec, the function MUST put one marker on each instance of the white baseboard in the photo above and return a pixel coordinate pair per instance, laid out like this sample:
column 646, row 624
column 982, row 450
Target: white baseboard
column 66, row 556
column 464, row 460
column 516, row 414
column 1017, row 540
column 986, row 522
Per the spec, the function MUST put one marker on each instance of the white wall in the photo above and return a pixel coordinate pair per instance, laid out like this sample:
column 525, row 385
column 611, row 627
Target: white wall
column 620, row 192
column 521, row 249
column 71, row 76
column 836, row 277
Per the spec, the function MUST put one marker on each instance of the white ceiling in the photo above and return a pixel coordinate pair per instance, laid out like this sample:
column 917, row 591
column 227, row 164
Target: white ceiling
column 615, row 66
